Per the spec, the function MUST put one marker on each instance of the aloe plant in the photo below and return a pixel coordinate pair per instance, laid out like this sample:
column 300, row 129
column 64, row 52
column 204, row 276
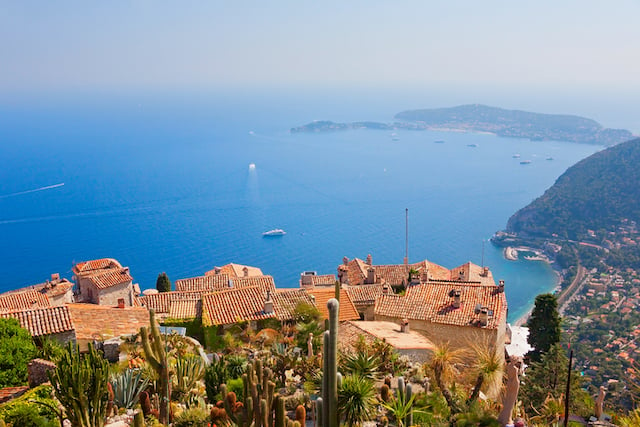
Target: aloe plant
column 127, row 387
column 188, row 370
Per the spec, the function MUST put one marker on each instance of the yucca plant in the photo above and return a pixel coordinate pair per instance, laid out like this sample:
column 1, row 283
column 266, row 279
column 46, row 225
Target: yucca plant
column 356, row 399
column 215, row 374
column 127, row 387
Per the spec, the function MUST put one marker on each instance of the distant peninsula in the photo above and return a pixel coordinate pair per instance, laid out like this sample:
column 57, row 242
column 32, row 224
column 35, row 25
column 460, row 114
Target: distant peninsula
column 482, row 118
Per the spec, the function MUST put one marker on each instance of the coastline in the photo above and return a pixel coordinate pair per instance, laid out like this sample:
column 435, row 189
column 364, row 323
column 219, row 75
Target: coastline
column 512, row 254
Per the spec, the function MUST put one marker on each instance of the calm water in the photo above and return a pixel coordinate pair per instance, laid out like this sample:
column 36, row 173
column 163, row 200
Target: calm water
column 164, row 184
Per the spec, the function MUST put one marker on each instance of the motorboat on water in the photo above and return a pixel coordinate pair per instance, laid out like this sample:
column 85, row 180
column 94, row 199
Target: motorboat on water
column 525, row 162
column 275, row 232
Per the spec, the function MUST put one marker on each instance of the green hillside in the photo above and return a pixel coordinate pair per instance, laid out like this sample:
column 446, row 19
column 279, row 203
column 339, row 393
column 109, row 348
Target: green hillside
column 598, row 193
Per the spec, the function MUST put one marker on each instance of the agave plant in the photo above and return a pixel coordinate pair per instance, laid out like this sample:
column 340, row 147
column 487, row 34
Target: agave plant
column 127, row 387
column 188, row 371
column 360, row 363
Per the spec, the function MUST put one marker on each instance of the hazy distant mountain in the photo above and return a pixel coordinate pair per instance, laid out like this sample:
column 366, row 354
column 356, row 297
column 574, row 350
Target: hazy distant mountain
column 481, row 118
column 599, row 192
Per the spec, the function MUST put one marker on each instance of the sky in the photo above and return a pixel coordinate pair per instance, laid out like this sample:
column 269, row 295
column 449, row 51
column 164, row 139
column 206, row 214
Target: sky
column 70, row 45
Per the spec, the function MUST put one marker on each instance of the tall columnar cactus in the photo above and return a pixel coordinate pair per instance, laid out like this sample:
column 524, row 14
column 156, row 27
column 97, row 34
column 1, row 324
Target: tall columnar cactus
column 259, row 386
column 80, row 384
column 404, row 394
column 156, row 355
column 138, row 420
column 329, row 403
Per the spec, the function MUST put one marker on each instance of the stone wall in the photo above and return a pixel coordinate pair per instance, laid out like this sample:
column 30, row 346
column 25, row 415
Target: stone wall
column 112, row 294
column 37, row 371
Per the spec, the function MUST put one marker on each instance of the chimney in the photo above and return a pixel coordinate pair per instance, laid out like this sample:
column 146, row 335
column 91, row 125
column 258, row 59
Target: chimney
column 120, row 302
column 371, row 275
column 245, row 271
column 268, row 303
column 369, row 260
column 345, row 260
column 306, row 279
column 404, row 326
column 484, row 316
column 55, row 277
column 461, row 275
column 485, row 272
column 217, row 270
column 230, row 283
column 385, row 289
column 501, row 286
column 456, row 298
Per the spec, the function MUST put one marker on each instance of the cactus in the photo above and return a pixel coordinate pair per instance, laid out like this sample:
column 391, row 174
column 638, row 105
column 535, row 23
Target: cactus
column 155, row 353
column 80, row 384
column 138, row 420
column 2, row 424
column 384, row 393
column 404, row 394
column 281, row 416
column 258, row 385
column 330, row 376
column 319, row 412
column 301, row 414
column 145, row 403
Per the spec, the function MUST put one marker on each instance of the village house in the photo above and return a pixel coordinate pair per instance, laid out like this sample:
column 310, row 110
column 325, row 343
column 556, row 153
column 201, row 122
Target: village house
column 451, row 311
column 321, row 296
column 223, row 281
column 46, row 322
column 358, row 272
column 175, row 305
column 311, row 279
column 416, row 347
column 104, row 282
column 13, row 301
column 54, row 292
column 364, row 298
column 235, row 270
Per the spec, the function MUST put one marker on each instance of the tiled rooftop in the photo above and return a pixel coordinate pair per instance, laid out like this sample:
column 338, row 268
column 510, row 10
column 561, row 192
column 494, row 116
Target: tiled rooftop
column 364, row 294
column 10, row 393
column 233, row 305
column 185, row 309
column 357, row 272
column 203, row 283
column 111, row 277
column 285, row 302
column 471, row 272
column 162, row 301
column 348, row 310
column 100, row 322
column 96, row 264
column 321, row 280
column 235, row 270
column 23, row 300
column 43, row 321
column 264, row 282
column 431, row 302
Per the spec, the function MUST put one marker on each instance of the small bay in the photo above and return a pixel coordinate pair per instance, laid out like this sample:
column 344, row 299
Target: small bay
column 164, row 184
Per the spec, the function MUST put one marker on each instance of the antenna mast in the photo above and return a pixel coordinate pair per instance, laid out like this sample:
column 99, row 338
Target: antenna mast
column 482, row 253
column 406, row 237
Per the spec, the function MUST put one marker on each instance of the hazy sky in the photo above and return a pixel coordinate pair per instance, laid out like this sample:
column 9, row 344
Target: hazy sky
column 173, row 44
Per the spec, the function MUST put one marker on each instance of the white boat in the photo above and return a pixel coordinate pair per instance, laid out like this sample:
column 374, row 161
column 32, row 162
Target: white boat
column 525, row 162
column 516, row 156
column 274, row 232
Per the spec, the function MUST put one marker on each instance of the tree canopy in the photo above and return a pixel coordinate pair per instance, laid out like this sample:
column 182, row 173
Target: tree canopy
column 163, row 284
column 16, row 350
column 544, row 325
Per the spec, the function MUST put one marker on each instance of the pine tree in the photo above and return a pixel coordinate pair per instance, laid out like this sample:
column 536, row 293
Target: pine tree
column 544, row 326
column 163, row 284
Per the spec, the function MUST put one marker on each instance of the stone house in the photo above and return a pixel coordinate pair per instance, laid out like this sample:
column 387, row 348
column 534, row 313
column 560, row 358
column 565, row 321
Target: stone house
column 310, row 279
column 358, row 272
column 223, row 281
column 104, row 282
column 235, row 270
column 457, row 312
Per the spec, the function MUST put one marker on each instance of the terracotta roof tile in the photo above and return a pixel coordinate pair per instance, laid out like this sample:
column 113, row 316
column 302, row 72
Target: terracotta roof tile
column 233, row 305
column 43, row 321
column 162, row 301
column 264, row 282
column 364, row 294
column 285, row 302
column 23, row 300
column 357, row 272
column 203, row 283
column 431, row 302
column 93, row 321
column 235, row 270
column 185, row 309
column 471, row 272
column 348, row 310
column 108, row 278
column 10, row 393
column 96, row 264
column 321, row 280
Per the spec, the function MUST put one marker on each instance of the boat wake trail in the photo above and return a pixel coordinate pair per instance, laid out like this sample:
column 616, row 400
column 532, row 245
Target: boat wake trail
column 20, row 193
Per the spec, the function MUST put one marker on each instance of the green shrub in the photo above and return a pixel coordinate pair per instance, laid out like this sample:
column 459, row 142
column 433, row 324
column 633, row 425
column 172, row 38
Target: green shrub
column 236, row 386
column 26, row 415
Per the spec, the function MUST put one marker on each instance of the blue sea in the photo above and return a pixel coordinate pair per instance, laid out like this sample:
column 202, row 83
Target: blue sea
column 164, row 183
